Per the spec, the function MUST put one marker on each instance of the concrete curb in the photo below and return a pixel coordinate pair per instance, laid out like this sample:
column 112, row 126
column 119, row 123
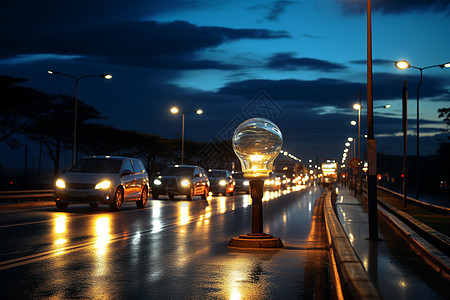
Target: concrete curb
column 432, row 256
column 354, row 280
column 439, row 240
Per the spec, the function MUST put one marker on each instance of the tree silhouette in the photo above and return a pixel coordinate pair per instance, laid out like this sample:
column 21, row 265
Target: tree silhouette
column 55, row 129
column 19, row 106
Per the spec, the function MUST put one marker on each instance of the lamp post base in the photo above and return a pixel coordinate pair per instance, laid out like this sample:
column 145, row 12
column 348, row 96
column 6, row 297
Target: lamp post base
column 255, row 241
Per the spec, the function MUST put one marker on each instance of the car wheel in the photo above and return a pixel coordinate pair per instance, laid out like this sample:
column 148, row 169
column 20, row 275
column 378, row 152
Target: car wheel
column 171, row 196
column 231, row 193
column 155, row 195
column 118, row 199
column 205, row 194
column 190, row 194
column 61, row 205
column 93, row 205
column 142, row 202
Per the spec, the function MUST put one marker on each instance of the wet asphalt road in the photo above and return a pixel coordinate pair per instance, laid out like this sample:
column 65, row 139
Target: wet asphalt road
column 169, row 250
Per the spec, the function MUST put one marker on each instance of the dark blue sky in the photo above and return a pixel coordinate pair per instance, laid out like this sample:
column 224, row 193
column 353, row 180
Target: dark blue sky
column 307, row 57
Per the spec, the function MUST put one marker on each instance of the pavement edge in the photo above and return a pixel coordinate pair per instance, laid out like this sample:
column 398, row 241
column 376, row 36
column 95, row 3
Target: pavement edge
column 352, row 278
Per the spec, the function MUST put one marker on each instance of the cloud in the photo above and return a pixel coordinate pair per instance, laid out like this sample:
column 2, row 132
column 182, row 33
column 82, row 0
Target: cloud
column 286, row 61
column 337, row 93
column 273, row 10
column 314, row 93
column 311, row 36
column 395, row 7
column 379, row 62
column 126, row 42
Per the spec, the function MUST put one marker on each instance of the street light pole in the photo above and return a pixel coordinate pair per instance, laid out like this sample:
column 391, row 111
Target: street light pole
column 371, row 142
column 175, row 110
column 106, row 76
column 182, row 141
column 402, row 65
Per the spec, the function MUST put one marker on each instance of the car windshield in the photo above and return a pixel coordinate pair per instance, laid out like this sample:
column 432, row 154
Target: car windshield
column 177, row 171
column 97, row 165
column 217, row 173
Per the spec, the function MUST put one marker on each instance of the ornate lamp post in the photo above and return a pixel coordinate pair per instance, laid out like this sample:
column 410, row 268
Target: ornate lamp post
column 77, row 79
column 257, row 142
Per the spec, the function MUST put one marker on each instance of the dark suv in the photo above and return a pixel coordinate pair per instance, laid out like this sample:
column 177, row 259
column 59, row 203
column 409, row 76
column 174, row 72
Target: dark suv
column 221, row 182
column 181, row 180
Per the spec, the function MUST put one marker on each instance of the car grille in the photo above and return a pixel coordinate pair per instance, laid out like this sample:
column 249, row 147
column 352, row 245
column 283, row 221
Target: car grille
column 80, row 186
column 172, row 184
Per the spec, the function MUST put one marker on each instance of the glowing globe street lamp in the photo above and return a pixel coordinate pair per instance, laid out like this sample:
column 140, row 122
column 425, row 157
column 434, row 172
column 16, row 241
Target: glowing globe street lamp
column 257, row 142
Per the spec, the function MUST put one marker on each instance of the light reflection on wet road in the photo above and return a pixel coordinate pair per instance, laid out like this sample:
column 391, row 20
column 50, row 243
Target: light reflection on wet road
column 171, row 249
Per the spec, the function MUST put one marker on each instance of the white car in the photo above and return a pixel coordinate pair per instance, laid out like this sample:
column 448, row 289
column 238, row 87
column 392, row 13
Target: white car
column 103, row 180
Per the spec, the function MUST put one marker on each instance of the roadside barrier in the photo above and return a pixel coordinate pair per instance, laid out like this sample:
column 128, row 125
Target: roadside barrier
column 432, row 207
column 17, row 196
column 353, row 278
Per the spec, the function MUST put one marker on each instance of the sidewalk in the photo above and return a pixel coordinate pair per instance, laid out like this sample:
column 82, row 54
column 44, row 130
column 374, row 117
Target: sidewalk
column 391, row 265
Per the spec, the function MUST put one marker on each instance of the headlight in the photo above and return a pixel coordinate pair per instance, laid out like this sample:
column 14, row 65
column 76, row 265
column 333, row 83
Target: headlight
column 157, row 182
column 105, row 184
column 222, row 183
column 246, row 183
column 60, row 183
column 185, row 183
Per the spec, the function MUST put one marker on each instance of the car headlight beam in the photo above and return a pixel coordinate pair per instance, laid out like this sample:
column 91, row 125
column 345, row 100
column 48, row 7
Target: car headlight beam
column 185, row 183
column 157, row 182
column 105, row 184
column 222, row 183
column 60, row 184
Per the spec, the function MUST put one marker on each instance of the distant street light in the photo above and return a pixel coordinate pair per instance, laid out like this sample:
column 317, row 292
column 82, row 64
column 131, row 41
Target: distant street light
column 175, row 110
column 77, row 79
column 403, row 65
column 358, row 107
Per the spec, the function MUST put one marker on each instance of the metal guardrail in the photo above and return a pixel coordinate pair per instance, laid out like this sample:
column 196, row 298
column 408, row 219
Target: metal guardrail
column 437, row 239
column 17, row 196
column 433, row 207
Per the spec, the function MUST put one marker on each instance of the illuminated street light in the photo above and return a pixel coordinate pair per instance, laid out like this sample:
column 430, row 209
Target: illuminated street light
column 257, row 142
column 402, row 65
column 175, row 110
column 358, row 107
column 77, row 79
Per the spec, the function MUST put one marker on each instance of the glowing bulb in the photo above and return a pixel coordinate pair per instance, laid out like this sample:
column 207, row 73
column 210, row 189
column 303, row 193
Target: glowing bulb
column 402, row 65
column 257, row 142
